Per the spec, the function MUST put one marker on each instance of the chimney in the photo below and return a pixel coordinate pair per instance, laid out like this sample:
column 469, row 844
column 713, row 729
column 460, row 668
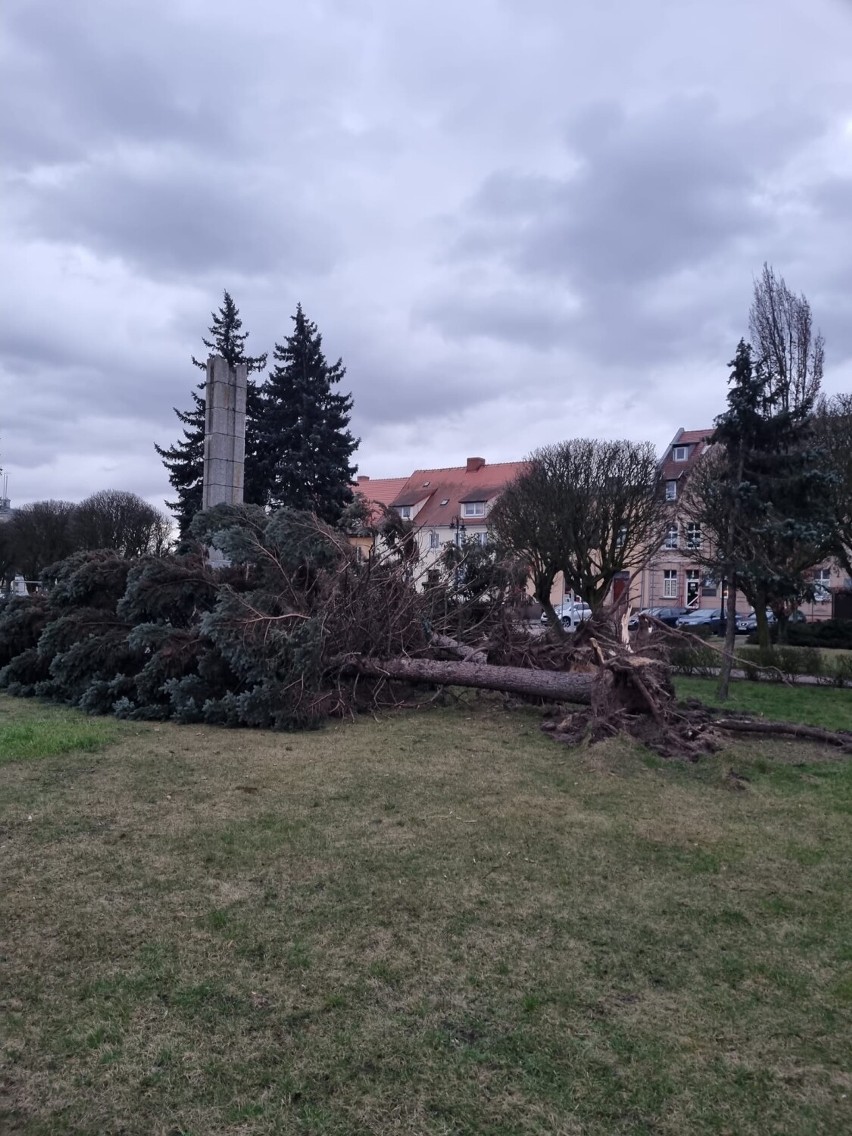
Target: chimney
column 362, row 477
column 473, row 464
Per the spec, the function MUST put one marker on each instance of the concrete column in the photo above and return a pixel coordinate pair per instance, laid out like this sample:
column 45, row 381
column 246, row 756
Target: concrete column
column 224, row 433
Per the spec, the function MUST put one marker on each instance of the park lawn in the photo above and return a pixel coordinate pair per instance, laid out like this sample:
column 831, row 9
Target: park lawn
column 38, row 729
column 809, row 705
column 434, row 922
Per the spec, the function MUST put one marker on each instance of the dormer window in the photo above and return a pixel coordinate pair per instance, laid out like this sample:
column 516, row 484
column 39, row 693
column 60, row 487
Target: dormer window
column 680, row 453
column 671, row 490
column 405, row 512
column 473, row 509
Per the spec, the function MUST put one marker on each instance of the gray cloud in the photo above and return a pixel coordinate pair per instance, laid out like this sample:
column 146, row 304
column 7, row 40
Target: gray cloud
column 182, row 220
column 675, row 191
column 514, row 223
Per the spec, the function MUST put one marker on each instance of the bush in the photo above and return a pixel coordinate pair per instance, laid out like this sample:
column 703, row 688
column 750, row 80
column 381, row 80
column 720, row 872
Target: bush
column 694, row 659
column 779, row 663
column 838, row 671
column 827, row 633
column 753, row 660
column 836, row 633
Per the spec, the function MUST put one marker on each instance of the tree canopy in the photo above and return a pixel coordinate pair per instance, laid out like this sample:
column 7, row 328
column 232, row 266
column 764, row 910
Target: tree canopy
column 591, row 509
column 45, row 532
column 764, row 497
column 184, row 460
column 305, row 446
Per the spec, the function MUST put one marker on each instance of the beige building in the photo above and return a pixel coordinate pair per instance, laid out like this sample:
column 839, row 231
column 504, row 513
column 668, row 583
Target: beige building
column 671, row 577
column 452, row 504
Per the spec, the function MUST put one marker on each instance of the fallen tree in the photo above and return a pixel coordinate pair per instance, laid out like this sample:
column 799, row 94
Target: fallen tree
column 296, row 629
column 556, row 686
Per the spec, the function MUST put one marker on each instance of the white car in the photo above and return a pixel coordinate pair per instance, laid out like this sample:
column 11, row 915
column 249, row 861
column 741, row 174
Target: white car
column 570, row 612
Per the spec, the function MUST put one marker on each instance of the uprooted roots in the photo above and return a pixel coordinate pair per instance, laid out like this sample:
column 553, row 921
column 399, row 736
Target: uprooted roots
column 633, row 694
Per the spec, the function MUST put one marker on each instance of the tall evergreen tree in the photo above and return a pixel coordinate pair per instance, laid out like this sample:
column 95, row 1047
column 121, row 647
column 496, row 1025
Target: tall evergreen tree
column 765, row 496
column 185, row 459
column 305, row 444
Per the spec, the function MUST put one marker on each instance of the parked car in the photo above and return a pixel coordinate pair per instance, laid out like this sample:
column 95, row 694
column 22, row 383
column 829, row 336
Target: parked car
column 667, row 615
column 702, row 617
column 578, row 610
column 748, row 623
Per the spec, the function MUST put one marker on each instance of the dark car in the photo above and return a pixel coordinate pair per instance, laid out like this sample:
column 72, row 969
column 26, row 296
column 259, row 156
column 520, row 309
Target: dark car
column 702, row 617
column 748, row 623
column 667, row 615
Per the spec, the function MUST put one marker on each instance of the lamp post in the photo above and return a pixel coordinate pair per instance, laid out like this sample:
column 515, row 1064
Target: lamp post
column 459, row 529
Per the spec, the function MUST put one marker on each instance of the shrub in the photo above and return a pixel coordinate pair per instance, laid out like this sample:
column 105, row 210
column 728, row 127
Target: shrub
column 795, row 661
column 754, row 660
column 836, row 633
column 826, row 633
column 694, row 659
column 839, row 671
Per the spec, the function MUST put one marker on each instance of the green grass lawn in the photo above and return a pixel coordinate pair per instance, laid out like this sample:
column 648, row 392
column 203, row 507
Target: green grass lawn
column 36, row 729
column 810, row 705
column 437, row 922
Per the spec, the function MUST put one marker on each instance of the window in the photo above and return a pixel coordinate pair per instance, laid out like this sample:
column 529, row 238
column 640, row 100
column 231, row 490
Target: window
column 693, row 535
column 670, row 584
column 681, row 453
column 822, row 585
column 671, row 490
column 671, row 537
column 481, row 538
column 621, row 537
column 405, row 512
column 473, row 509
column 692, row 580
column 434, row 540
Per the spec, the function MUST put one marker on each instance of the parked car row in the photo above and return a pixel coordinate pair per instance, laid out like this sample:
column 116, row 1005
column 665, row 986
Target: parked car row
column 667, row 615
column 691, row 618
column 683, row 617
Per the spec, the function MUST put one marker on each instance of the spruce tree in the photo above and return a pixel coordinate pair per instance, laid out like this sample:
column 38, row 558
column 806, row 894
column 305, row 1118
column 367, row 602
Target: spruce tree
column 764, row 498
column 305, row 444
column 185, row 459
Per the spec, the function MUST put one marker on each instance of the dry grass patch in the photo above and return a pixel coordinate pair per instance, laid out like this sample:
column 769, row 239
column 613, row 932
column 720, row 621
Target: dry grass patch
column 437, row 922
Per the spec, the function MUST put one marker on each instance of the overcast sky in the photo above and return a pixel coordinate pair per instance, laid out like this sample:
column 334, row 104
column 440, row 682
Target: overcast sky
column 516, row 222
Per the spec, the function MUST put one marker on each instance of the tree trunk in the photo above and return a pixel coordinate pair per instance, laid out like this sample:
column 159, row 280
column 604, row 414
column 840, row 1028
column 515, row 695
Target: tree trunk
column 559, row 686
column 763, row 640
column 730, row 638
column 781, row 622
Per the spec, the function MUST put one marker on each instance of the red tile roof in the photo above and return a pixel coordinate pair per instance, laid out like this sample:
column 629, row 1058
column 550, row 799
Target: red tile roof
column 671, row 470
column 685, row 437
column 454, row 485
column 378, row 491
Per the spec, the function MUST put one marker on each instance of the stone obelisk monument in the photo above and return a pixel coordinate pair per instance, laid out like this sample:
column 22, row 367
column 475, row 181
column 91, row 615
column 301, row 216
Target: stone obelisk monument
column 224, row 433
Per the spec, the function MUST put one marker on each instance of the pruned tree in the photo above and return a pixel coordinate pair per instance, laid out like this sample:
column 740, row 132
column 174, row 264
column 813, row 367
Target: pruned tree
column 184, row 460
column 305, row 446
column 588, row 508
column 40, row 534
column 122, row 522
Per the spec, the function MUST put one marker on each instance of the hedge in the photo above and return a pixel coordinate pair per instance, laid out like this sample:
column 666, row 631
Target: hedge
column 829, row 633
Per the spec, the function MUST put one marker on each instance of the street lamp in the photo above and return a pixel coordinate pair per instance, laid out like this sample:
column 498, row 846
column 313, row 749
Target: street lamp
column 459, row 529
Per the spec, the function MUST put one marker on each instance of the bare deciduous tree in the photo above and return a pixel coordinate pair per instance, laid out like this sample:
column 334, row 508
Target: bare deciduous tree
column 120, row 521
column 40, row 534
column 590, row 509
column 784, row 341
